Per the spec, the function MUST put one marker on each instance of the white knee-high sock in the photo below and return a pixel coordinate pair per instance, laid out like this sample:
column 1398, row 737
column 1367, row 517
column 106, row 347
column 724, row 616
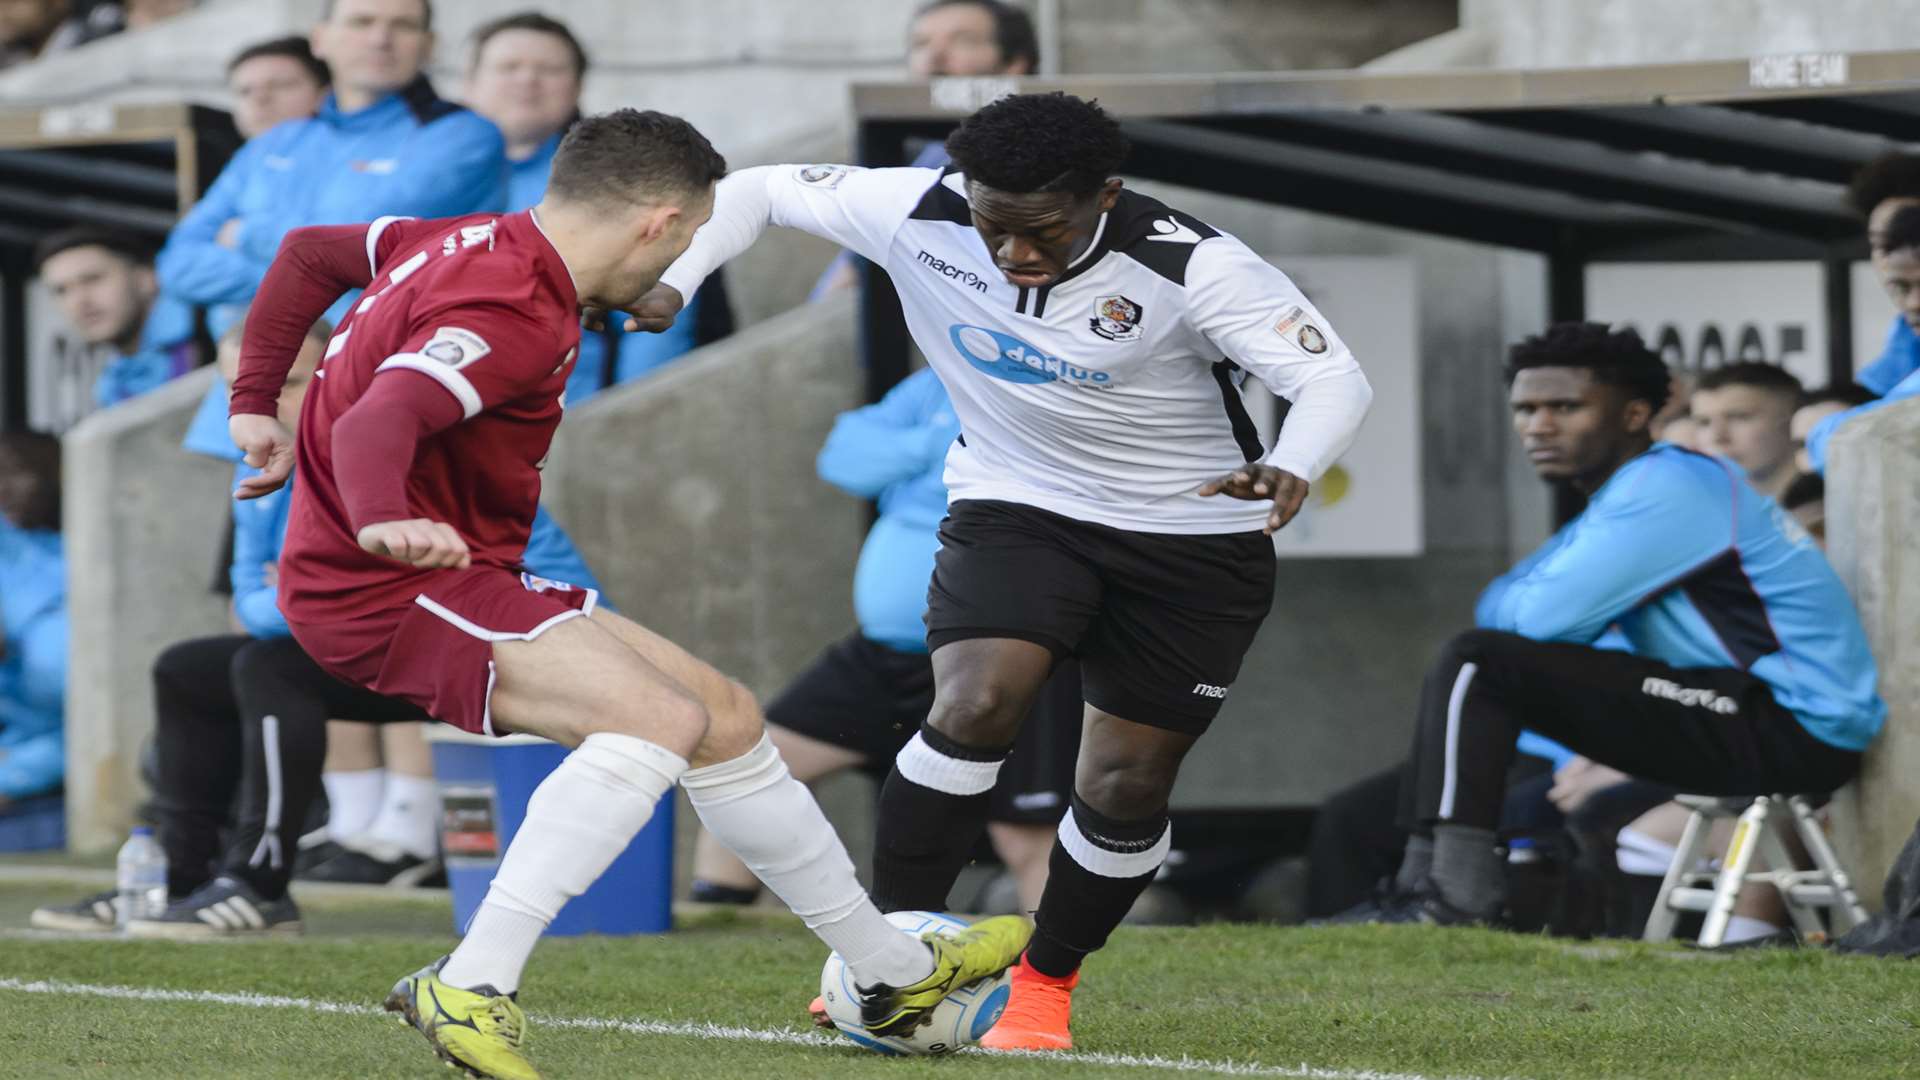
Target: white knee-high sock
column 770, row 820
column 581, row 817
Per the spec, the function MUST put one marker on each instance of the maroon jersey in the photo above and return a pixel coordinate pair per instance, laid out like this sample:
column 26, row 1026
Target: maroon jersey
column 484, row 307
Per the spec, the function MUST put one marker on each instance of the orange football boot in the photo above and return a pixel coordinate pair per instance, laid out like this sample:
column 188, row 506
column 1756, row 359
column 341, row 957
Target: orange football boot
column 1038, row 1012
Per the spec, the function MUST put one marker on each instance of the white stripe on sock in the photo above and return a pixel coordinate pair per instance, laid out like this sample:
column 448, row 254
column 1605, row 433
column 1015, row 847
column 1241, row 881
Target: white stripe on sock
column 1107, row 862
column 1454, row 701
column 930, row 768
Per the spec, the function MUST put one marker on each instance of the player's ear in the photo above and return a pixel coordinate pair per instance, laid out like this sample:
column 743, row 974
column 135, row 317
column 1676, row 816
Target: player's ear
column 1639, row 413
column 1110, row 194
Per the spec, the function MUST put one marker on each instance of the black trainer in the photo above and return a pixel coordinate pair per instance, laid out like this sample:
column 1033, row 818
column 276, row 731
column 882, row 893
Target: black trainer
column 97, row 914
column 222, row 908
column 381, row 865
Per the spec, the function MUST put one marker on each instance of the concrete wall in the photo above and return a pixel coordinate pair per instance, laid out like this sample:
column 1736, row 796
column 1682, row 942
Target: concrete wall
column 693, row 496
column 1873, row 538
column 1542, row 33
column 143, row 525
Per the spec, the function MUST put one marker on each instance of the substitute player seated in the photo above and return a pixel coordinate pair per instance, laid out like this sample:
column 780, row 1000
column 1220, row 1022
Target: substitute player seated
column 1749, row 673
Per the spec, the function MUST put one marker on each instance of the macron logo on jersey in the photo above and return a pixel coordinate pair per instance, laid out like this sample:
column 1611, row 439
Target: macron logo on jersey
column 958, row 274
column 1004, row 356
column 1208, row 691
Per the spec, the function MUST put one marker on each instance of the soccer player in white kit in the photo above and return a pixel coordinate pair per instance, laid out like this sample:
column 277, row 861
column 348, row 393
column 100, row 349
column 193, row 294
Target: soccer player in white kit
column 1093, row 341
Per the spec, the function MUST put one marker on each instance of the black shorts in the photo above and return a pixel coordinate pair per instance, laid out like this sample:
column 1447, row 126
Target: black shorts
column 1160, row 622
column 870, row 699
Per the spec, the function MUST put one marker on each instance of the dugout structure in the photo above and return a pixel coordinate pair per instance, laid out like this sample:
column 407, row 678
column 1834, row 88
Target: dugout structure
column 131, row 168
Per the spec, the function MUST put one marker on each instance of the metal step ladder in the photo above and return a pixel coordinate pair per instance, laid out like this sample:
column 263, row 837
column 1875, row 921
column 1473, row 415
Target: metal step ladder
column 1761, row 828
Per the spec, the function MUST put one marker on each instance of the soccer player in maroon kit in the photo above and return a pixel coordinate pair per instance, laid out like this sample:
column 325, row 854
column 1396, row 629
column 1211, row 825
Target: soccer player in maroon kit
column 419, row 455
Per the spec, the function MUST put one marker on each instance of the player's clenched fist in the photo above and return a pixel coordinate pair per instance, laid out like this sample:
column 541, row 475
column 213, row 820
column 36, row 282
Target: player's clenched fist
column 1258, row 483
column 418, row 542
column 268, row 446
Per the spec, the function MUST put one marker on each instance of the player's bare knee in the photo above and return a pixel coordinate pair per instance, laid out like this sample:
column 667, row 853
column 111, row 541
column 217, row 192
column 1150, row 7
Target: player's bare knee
column 736, row 727
column 1124, row 790
column 980, row 714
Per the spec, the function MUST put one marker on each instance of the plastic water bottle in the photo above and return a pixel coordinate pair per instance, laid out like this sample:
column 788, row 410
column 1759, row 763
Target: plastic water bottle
column 141, row 875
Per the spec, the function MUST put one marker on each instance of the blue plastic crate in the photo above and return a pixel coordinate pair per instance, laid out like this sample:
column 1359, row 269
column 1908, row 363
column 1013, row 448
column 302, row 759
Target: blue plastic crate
column 484, row 787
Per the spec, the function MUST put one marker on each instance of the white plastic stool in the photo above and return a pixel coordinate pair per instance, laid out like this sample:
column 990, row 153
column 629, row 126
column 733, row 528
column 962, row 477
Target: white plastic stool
column 1760, row 831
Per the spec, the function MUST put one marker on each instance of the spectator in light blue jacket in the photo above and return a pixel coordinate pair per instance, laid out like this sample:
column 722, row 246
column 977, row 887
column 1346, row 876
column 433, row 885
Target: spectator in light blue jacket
column 1885, row 186
column 1897, row 259
column 103, row 282
column 1749, row 672
column 382, row 143
column 33, row 616
column 526, row 77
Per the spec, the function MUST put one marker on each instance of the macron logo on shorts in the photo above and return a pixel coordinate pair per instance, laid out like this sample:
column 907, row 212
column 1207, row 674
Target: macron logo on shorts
column 1684, row 695
column 1204, row 690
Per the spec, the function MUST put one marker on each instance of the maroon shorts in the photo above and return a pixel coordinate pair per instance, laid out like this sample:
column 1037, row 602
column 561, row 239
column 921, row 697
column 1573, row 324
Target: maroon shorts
column 437, row 652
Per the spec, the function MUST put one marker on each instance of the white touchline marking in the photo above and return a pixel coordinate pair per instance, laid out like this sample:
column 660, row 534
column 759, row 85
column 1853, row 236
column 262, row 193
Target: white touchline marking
column 687, row 1030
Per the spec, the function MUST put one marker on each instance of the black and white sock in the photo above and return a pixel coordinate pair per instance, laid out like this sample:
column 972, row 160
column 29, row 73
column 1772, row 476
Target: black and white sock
column 933, row 809
column 1098, row 869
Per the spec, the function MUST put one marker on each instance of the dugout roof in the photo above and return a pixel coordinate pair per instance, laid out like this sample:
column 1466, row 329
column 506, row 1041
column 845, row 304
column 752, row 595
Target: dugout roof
column 1737, row 159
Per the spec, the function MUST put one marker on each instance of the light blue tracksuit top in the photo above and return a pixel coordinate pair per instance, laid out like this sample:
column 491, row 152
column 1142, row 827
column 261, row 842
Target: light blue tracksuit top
column 1700, row 570
column 896, row 451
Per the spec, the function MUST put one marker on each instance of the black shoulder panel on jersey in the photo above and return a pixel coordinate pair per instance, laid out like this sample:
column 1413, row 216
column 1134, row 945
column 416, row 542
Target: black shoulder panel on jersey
column 942, row 203
column 1155, row 235
column 425, row 104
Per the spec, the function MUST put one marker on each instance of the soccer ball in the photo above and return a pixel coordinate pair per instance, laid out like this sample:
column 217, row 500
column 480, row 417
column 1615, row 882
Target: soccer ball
column 960, row 1020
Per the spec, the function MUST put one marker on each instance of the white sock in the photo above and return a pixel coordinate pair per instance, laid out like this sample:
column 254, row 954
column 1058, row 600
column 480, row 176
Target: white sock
column 353, row 799
column 1746, row 928
column 407, row 819
column 767, row 818
column 581, row 817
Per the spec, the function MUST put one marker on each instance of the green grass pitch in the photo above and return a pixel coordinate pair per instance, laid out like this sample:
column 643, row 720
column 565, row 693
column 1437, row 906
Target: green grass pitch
column 1339, row 1004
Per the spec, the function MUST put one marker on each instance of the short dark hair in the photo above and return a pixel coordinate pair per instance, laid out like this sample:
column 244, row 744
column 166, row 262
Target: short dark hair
column 633, row 155
column 1012, row 29
column 1755, row 373
column 39, row 454
column 294, row 48
column 1616, row 358
column 1040, row 142
column 131, row 248
column 1902, row 231
column 539, row 24
column 1849, row 394
column 426, row 12
column 1805, row 488
column 1893, row 175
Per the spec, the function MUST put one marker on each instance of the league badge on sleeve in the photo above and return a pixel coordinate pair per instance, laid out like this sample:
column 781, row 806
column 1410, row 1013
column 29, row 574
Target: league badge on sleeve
column 823, row 176
column 1311, row 339
column 454, row 347
column 1115, row 318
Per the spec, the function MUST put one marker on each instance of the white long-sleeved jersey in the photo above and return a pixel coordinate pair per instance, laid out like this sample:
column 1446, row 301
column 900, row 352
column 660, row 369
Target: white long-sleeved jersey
column 1109, row 396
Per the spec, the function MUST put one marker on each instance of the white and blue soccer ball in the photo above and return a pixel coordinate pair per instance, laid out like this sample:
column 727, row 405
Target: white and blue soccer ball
column 967, row 1014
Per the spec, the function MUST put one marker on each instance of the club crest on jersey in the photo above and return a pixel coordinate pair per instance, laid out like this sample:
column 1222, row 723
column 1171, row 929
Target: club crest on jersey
column 1311, row 339
column 823, row 176
column 454, row 347
column 1115, row 318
